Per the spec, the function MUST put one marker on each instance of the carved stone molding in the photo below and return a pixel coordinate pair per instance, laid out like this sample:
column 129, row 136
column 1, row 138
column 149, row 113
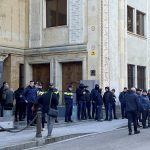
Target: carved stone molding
column 3, row 57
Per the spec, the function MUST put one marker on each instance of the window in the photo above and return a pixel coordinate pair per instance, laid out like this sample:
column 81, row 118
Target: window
column 130, row 19
column 141, row 77
column 140, row 23
column 56, row 13
column 131, row 76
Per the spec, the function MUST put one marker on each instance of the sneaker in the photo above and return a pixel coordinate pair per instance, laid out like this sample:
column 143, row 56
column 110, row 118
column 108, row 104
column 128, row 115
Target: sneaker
column 136, row 132
column 145, row 127
column 130, row 133
column 56, row 121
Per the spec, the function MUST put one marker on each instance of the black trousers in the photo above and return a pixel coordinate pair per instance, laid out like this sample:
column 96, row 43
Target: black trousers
column 19, row 110
column 114, row 110
column 132, row 118
column 145, row 114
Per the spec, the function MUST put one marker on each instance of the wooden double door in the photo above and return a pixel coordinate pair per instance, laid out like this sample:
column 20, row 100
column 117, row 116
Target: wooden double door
column 41, row 73
column 71, row 74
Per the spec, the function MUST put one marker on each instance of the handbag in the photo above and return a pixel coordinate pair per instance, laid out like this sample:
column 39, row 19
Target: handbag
column 52, row 112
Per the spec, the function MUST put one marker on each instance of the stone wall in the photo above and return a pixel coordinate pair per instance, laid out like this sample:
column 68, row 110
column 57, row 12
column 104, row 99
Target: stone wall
column 14, row 23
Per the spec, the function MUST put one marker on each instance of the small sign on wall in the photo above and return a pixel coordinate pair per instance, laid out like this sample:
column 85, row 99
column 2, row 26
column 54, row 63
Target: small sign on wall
column 93, row 72
column 93, row 52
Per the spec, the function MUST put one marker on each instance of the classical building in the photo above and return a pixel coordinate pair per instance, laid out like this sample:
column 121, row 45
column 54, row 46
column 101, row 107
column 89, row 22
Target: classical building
column 65, row 41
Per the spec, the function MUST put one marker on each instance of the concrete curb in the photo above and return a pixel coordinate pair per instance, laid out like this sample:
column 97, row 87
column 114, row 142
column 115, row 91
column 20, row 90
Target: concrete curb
column 40, row 142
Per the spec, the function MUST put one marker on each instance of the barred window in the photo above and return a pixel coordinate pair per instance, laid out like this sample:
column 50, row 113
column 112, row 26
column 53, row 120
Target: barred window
column 131, row 76
column 130, row 19
column 56, row 13
column 141, row 77
column 140, row 23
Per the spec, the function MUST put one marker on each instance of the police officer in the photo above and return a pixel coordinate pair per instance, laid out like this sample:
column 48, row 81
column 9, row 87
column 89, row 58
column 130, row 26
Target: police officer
column 144, row 101
column 132, row 107
column 80, row 92
column 122, row 101
column 44, row 100
column 96, row 96
column 56, row 93
column 68, row 97
column 108, row 100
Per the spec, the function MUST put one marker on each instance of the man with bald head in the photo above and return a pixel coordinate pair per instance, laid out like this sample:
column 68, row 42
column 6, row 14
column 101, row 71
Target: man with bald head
column 132, row 107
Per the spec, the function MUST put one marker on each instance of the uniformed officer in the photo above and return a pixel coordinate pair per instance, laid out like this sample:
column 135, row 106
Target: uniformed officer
column 68, row 97
column 56, row 93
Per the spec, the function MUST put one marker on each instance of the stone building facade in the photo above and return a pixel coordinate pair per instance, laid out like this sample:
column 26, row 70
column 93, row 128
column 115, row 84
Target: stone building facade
column 65, row 41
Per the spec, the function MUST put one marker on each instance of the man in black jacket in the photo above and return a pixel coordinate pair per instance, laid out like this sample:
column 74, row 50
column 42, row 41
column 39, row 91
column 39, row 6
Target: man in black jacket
column 80, row 92
column 20, row 102
column 122, row 101
column 108, row 100
column 44, row 101
column 132, row 107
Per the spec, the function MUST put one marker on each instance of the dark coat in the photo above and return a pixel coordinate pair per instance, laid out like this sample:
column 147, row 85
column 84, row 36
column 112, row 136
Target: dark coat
column 132, row 102
column 8, row 98
column 122, row 97
column 96, row 97
column 80, row 95
column 108, row 98
column 30, row 94
column 144, row 101
column 44, row 100
column 19, row 95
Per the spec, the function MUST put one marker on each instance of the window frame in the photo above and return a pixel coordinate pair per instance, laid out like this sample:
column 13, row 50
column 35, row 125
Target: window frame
column 57, row 16
column 141, row 77
column 133, row 19
column 143, row 14
column 132, row 77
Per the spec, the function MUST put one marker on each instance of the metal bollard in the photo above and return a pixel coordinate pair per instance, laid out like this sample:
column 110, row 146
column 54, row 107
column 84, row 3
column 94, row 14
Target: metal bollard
column 38, row 124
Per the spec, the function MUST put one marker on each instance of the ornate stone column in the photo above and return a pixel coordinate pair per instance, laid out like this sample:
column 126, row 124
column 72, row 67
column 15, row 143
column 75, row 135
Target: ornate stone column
column 2, row 58
column 105, row 43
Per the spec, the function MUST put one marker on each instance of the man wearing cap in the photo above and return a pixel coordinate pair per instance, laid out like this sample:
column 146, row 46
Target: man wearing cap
column 68, row 97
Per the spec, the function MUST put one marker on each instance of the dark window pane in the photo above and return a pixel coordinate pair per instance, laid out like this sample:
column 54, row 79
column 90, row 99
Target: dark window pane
column 62, row 12
column 141, row 77
column 56, row 13
column 130, row 19
column 140, row 23
column 131, row 76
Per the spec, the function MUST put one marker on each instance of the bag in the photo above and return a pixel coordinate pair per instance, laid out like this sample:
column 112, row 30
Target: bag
column 52, row 112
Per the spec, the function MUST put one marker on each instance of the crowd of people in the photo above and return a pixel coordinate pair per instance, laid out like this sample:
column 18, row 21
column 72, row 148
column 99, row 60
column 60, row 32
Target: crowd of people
column 135, row 104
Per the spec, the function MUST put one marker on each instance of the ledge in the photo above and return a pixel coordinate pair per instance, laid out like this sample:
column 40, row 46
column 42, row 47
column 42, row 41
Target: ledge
column 137, row 35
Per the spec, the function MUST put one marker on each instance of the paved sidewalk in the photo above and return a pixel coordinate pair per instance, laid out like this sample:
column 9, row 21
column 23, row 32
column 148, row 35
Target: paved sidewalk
column 85, row 127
